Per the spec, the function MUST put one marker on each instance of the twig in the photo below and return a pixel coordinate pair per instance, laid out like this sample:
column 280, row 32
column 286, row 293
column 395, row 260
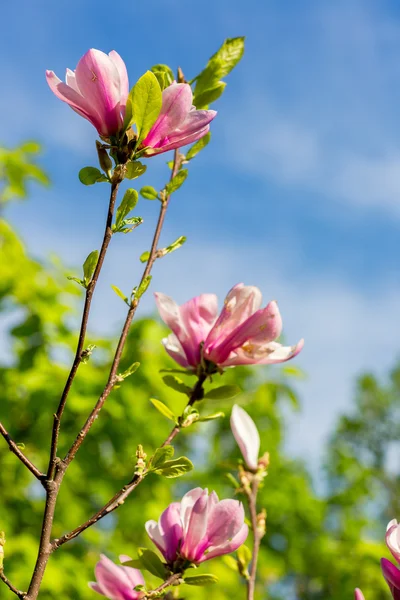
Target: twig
column 82, row 333
column 125, row 329
column 120, row 497
column 170, row 581
column 10, row 585
column 257, row 536
column 15, row 450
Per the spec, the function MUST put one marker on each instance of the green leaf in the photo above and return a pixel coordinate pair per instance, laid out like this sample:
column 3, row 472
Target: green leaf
column 146, row 103
column 219, row 65
column 175, row 245
column 142, row 287
column 217, row 415
column 131, row 370
column 244, row 555
column 224, row 391
column 89, row 266
column 128, row 203
column 161, row 455
column 176, row 182
column 144, row 257
column 181, row 371
column 164, row 75
column 134, row 221
column 230, row 562
column 198, row 146
column 77, row 280
column 90, row 175
column 120, row 294
column 205, row 579
column 175, row 468
column 149, row 193
column 177, row 384
column 210, row 95
column 148, row 560
column 232, row 480
column 134, row 169
column 163, row 409
column 30, row 147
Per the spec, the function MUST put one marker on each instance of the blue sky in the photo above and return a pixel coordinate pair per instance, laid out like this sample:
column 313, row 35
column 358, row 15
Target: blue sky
column 299, row 192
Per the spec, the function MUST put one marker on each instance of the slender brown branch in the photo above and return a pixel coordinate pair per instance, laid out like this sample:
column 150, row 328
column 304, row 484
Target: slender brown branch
column 82, row 333
column 172, row 580
column 10, row 585
column 112, row 378
column 19, row 454
column 257, row 536
column 120, row 497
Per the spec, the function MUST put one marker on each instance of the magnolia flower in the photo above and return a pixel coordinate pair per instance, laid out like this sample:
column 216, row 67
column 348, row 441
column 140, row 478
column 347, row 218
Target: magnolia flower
column 246, row 435
column 199, row 528
column 392, row 576
column 242, row 334
column 179, row 123
column 97, row 90
column 116, row 582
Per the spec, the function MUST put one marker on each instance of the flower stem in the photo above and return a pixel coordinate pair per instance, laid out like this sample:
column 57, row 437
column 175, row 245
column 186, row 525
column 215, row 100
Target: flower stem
column 257, row 536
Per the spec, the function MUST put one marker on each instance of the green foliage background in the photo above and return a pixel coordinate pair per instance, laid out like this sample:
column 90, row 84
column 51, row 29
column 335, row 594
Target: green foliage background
column 316, row 546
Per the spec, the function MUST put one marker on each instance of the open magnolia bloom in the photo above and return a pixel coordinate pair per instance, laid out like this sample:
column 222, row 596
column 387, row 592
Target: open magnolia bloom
column 97, row 90
column 243, row 333
column 116, row 582
column 246, row 435
column 390, row 572
column 198, row 528
column 179, row 123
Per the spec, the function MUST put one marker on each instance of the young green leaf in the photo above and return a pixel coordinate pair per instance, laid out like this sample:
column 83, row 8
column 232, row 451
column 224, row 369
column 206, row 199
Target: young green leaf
column 217, row 415
column 144, row 257
column 163, row 409
column 244, row 556
column 128, row 203
column 175, row 245
column 224, row 391
column 176, row 182
column 142, row 287
column 219, row 65
column 161, row 455
column 134, row 169
column 149, row 561
column 232, row 480
column 205, row 579
column 210, row 95
column 146, row 103
column 175, row 468
column 120, row 294
column 149, row 193
column 177, row 384
column 90, row 175
column 230, row 562
column 131, row 370
column 198, row 146
column 77, row 280
column 164, row 75
column 89, row 266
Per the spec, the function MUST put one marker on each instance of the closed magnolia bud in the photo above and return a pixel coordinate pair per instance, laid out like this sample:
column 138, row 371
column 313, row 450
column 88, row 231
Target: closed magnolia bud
column 104, row 160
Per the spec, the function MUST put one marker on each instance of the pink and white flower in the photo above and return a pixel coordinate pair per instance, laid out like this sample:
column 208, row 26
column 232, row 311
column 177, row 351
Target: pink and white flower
column 242, row 334
column 179, row 123
column 246, row 435
column 97, row 90
column 199, row 528
column 116, row 582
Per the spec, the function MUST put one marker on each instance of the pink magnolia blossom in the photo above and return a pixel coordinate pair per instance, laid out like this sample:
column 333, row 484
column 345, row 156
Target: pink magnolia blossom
column 246, row 435
column 390, row 572
column 242, row 334
column 97, row 90
column 115, row 581
column 199, row 528
column 179, row 123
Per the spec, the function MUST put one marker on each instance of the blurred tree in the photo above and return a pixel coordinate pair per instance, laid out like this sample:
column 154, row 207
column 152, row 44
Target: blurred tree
column 317, row 546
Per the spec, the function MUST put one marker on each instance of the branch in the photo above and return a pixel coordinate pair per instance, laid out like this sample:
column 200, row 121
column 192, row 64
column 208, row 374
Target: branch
column 82, row 333
column 120, row 497
column 172, row 580
column 112, row 378
column 10, row 585
column 257, row 536
column 19, row 454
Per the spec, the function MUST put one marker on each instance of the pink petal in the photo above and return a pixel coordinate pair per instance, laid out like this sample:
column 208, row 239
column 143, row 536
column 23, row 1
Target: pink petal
column 96, row 588
column 393, row 539
column 171, row 529
column 175, row 350
column 262, row 354
column 358, row 595
column 240, row 303
column 177, row 141
column 265, row 325
column 123, row 78
column 227, row 547
column 134, row 576
column 392, row 576
column 187, row 503
column 225, row 521
column 113, row 580
column 176, row 104
column 246, row 435
column 195, row 536
column 69, row 95
column 99, row 82
column 154, row 533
